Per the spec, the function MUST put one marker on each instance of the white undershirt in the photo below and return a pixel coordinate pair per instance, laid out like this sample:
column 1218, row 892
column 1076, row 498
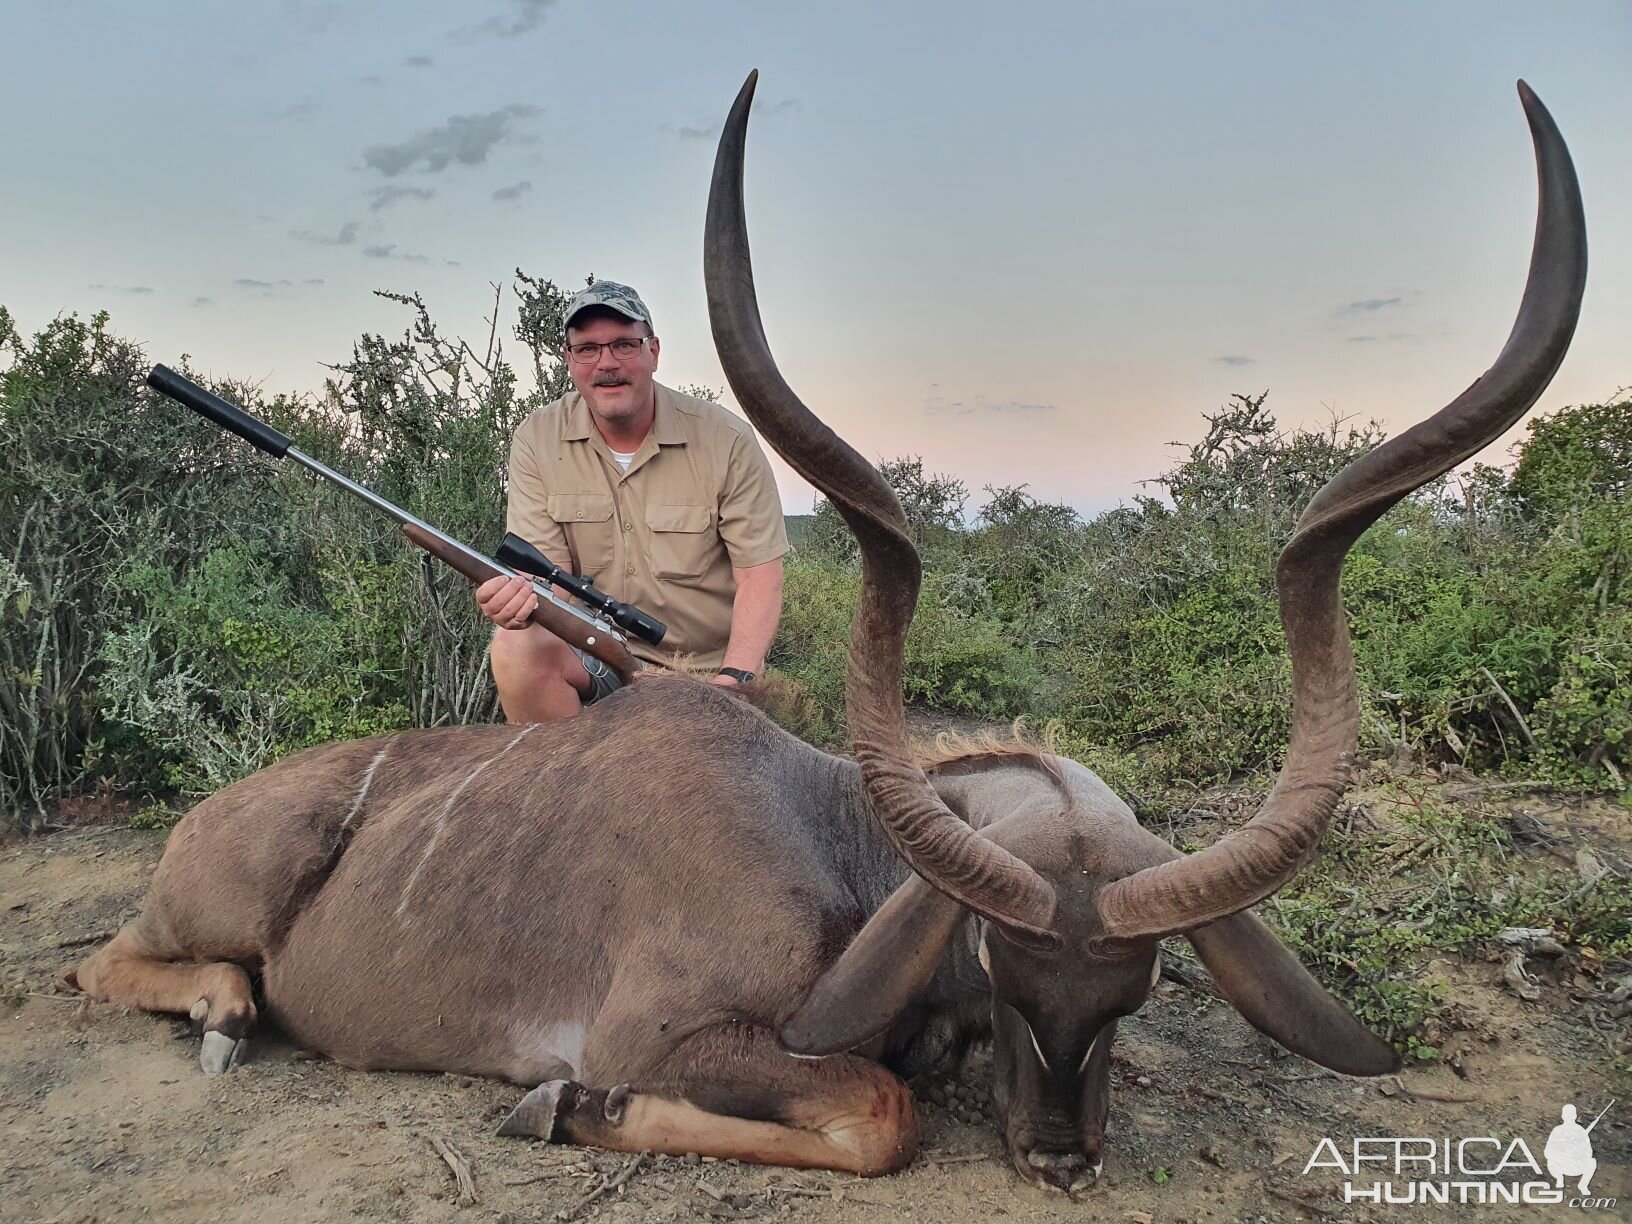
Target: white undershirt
column 623, row 460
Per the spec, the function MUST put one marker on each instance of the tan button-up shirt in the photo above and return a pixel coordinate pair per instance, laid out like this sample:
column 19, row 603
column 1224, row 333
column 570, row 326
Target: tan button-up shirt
column 698, row 499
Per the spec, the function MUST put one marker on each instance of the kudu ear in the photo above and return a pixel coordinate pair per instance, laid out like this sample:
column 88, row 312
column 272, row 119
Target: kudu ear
column 1266, row 984
column 889, row 962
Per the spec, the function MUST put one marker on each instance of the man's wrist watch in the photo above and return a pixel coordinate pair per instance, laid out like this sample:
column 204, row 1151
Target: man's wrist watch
column 737, row 674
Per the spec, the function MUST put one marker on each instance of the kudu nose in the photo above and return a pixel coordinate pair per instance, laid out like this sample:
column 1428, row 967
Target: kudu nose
column 1056, row 1161
column 1066, row 1171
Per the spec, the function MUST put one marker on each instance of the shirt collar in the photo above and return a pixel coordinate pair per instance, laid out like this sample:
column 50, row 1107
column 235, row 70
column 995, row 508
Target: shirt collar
column 666, row 428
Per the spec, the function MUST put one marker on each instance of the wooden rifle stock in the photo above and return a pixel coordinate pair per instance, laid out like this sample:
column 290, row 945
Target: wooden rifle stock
column 569, row 628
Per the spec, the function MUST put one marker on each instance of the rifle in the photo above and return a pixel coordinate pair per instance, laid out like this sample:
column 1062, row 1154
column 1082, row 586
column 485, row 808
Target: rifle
column 596, row 635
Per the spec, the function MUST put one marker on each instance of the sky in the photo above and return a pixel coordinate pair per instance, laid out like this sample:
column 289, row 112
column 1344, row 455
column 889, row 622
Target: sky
column 1032, row 243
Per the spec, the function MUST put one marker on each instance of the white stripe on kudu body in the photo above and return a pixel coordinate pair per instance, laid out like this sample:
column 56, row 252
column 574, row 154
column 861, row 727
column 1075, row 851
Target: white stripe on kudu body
column 442, row 817
column 362, row 791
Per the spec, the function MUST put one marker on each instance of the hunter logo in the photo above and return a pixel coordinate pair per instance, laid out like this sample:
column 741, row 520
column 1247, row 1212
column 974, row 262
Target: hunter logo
column 1569, row 1149
column 1475, row 1170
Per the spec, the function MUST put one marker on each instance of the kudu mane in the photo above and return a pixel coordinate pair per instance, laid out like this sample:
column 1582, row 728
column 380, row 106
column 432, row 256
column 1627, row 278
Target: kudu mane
column 957, row 752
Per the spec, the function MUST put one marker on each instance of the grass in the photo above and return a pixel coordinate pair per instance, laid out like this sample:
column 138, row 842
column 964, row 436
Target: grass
column 1413, row 876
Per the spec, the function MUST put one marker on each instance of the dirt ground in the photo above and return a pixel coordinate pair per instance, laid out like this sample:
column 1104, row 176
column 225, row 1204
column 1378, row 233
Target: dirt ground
column 104, row 1114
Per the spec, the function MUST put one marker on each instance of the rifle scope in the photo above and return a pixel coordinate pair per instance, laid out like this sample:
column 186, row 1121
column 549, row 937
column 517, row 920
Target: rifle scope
column 517, row 553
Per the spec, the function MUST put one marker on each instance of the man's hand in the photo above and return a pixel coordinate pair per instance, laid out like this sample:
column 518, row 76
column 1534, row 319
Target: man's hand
column 507, row 602
column 725, row 681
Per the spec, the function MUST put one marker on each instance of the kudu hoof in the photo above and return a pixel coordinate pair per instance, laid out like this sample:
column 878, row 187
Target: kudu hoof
column 536, row 1114
column 545, row 1111
column 220, row 1053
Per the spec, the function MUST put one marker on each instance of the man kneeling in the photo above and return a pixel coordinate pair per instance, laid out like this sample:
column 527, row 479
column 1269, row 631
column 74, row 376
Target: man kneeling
column 662, row 500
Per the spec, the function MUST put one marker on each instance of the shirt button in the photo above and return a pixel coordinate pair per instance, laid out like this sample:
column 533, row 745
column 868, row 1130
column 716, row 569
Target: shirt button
column 627, row 526
column 630, row 571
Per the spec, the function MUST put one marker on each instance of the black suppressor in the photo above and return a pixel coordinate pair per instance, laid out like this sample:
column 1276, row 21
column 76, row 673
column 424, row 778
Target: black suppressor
column 518, row 554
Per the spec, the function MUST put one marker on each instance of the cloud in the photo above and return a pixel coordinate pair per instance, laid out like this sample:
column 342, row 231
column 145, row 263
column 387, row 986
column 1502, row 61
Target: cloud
column 384, row 197
column 419, row 61
column 302, row 110
column 465, row 139
column 1370, row 305
column 267, row 288
column 521, row 17
column 1389, row 337
column 263, row 287
column 347, row 236
column 1013, row 406
column 1236, row 359
column 388, row 250
column 513, row 192
column 692, row 132
column 203, row 301
column 139, row 290
column 938, row 405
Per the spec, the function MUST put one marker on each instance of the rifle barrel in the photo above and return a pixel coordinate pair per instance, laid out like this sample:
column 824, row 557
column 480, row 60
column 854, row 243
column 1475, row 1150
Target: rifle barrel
column 590, row 634
column 1601, row 1114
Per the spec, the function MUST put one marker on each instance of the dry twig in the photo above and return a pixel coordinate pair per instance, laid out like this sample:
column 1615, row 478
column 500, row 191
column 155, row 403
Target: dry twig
column 836, row 1194
column 1188, row 973
column 1432, row 1094
column 966, row 1158
column 548, row 1175
column 457, row 1161
column 1524, row 727
column 79, row 941
column 606, row 1187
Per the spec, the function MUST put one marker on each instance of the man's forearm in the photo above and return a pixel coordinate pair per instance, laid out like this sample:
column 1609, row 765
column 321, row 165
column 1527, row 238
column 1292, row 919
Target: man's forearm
column 754, row 614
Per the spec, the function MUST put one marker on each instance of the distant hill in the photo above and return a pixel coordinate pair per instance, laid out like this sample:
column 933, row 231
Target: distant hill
column 798, row 527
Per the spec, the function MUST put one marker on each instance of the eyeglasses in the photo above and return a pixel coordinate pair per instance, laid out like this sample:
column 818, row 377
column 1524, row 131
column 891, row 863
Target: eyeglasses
column 589, row 351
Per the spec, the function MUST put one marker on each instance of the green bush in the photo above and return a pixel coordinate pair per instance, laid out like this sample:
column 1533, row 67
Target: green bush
column 97, row 473
column 177, row 610
column 959, row 657
column 224, row 671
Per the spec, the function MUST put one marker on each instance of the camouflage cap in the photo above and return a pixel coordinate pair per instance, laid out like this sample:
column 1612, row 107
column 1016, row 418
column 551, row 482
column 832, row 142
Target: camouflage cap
column 618, row 297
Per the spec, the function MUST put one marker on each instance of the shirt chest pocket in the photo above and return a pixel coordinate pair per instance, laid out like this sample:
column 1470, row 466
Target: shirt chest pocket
column 586, row 518
column 684, row 542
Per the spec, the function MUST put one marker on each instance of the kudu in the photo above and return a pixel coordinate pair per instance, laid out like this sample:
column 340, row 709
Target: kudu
column 687, row 931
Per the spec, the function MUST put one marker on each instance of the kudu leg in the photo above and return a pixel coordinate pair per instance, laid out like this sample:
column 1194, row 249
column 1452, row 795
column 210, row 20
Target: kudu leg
column 126, row 971
column 739, row 1097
